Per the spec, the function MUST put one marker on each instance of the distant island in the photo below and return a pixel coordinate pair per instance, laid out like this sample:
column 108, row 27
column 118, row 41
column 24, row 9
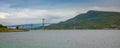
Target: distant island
column 91, row 20
column 5, row 29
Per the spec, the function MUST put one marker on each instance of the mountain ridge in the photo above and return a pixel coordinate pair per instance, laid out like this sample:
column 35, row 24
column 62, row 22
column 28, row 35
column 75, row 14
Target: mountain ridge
column 91, row 20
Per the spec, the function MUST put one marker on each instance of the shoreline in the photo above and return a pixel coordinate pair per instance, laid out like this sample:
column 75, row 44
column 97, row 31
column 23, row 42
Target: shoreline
column 14, row 30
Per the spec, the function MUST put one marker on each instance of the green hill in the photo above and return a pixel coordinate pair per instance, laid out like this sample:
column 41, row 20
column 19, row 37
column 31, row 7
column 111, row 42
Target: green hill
column 90, row 20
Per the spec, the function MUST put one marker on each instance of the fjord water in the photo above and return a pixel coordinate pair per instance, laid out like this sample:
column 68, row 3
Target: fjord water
column 61, row 39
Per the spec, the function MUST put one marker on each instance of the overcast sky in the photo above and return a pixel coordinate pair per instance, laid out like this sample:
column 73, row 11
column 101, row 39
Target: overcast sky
column 54, row 11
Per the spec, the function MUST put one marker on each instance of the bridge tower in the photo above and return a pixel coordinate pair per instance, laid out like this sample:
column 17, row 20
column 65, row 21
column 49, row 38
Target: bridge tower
column 43, row 23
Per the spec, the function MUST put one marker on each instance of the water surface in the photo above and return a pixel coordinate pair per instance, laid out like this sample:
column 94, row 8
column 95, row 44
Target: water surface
column 61, row 39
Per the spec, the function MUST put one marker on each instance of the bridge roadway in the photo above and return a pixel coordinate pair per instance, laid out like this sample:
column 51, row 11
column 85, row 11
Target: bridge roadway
column 28, row 25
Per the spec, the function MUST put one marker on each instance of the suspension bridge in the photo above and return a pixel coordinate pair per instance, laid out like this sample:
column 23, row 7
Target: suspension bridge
column 30, row 26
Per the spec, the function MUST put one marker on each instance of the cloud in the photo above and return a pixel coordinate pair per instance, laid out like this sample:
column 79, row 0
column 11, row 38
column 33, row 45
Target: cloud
column 35, row 13
column 3, row 15
column 26, row 16
column 116, row 9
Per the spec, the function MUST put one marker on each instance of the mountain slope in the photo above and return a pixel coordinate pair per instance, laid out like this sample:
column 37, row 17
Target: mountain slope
column 90, row 20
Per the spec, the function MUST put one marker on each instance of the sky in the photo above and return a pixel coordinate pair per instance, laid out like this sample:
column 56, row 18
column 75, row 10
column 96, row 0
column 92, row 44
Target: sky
column 14, row 12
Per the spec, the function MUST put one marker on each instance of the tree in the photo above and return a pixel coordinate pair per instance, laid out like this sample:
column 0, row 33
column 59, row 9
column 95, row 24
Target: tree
column 17, row 27
column 1, row 26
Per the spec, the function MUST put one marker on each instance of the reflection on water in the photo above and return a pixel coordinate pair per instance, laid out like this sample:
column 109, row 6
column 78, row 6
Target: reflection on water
column 61, row 39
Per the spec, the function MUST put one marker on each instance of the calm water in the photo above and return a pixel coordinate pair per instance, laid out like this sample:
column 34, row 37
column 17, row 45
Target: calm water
column 61, row 39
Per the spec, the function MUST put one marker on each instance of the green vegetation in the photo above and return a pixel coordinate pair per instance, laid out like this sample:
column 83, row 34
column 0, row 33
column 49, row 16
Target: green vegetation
column 1, row 26
column 90, row 20
column 5, row 29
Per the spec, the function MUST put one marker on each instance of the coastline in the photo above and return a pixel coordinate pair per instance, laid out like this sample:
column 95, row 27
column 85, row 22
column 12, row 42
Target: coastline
column 12, row 30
